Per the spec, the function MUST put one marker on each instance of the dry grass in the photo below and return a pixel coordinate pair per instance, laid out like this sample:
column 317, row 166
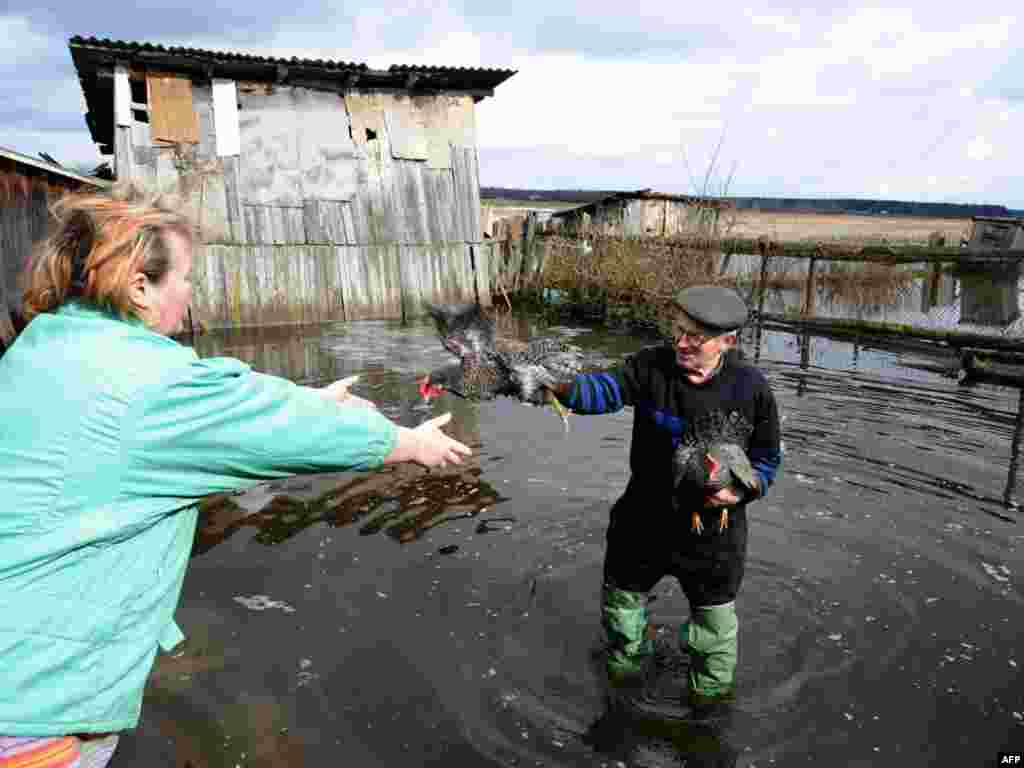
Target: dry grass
column 825, row 227
column 639, row 275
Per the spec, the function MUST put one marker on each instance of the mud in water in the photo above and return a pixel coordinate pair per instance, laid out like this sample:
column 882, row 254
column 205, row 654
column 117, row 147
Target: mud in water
column 413, row 618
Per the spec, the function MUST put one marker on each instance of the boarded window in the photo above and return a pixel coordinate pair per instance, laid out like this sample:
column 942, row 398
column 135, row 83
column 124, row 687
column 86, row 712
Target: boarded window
column 171, row 115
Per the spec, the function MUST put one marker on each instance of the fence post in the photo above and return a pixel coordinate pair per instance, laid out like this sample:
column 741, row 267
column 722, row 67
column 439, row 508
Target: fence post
column 809, row 289
column 763, row 283
column 1009, row 499
column 930, row 295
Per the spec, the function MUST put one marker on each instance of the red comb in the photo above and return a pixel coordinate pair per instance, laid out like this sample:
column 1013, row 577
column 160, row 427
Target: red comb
column 712, row 466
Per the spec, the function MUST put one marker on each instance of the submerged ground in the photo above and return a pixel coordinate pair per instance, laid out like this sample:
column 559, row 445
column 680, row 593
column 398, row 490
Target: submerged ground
column 408, row 618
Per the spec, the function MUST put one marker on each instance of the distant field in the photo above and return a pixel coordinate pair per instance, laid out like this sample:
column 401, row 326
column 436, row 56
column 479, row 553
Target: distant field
column 787, row 226
column 783, row 225
column 528, row 205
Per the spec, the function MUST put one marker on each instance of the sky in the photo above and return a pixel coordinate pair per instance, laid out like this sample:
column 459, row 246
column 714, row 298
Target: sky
column 922, row 102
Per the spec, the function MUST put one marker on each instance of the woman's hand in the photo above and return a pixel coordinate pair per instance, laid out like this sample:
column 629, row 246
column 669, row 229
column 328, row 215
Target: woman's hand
column 338, row 391
column 427, row 445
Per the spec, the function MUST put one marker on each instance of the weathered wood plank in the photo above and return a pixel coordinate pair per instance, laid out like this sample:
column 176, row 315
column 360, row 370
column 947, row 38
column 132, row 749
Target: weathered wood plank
column 348, row 219
column 212, row 208
column 333, row 287
column 224, row 98
column 373, row 284
column 124, row 153
column 233, row 199
column 171, row 113
column 406, row 129
column 467, row 193
column 324, row 221
column 315, row 232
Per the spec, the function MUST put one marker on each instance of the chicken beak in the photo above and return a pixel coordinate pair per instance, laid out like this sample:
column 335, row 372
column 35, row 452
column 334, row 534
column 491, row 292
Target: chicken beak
column 424, row 388
column 712, row 467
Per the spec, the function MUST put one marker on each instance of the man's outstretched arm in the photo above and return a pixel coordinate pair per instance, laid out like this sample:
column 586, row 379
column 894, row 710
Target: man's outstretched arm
column 599, row 392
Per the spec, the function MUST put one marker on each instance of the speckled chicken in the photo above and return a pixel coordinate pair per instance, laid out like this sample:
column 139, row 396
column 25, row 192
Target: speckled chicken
column 489, row 366
column 711, row 456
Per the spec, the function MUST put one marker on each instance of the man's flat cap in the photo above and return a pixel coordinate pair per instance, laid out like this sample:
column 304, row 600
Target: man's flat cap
column 717, row 308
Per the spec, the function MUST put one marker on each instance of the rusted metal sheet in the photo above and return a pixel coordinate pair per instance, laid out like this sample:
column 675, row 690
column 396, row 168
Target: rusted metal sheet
column 171, row 114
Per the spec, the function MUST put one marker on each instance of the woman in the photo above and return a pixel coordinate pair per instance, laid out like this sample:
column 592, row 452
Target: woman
column 110, row 431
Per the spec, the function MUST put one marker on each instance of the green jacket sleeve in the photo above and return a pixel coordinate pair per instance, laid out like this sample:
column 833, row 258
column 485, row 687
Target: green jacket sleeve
column 215, row 425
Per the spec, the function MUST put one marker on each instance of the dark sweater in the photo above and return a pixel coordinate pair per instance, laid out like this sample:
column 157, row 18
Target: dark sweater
column 666, row 404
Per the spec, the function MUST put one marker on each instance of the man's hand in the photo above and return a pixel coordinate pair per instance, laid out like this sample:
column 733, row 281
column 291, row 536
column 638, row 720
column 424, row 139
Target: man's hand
column 726, row 497
column 338, row 391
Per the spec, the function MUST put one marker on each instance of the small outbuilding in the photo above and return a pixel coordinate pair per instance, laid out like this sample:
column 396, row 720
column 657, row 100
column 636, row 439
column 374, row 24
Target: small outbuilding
column 28, row 186
column 643, row 213
column 990, row 294
column 326, row 190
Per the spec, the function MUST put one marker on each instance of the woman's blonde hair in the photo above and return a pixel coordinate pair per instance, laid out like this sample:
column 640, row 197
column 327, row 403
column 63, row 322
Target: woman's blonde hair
column 99, row 241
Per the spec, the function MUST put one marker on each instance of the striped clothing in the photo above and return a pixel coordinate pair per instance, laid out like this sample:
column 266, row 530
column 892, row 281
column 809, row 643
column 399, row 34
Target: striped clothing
column 56, row 751
column 666, row 405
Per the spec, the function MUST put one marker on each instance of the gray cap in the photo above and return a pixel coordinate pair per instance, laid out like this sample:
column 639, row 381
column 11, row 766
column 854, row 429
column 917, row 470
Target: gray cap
column 717, row 308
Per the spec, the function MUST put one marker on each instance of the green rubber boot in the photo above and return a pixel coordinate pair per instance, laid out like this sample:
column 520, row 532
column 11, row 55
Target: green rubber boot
column 624, row 618
column 710, row 638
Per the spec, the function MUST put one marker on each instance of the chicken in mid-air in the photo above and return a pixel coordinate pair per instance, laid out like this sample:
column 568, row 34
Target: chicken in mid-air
column 489, row 366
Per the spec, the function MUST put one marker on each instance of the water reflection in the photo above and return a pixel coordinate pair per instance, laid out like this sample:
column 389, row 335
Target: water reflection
column 402, row 501
column 836, row 360
column 881, row 529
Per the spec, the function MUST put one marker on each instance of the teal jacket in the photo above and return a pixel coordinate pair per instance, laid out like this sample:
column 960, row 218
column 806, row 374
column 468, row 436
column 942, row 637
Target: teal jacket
column 109, row 434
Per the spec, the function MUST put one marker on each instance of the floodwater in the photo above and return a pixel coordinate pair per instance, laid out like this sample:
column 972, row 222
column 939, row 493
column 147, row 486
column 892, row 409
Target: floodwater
column 451, row 618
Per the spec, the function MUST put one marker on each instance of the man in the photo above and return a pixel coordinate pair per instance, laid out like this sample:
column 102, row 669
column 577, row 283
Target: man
column 673, row 389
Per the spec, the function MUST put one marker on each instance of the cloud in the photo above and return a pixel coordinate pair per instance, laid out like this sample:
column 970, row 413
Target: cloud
column 840, row 99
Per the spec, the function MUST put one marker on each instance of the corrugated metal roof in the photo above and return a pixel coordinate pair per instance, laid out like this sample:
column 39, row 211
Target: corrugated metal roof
column 644, row 194
column 93, row 57
column 478, row 75
column 40, row 164
column 128, row 46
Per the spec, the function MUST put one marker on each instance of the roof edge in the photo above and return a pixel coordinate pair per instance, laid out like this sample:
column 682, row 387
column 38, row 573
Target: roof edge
column 42, row 165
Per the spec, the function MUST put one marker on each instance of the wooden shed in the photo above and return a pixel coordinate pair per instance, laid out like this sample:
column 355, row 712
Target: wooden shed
column 28, row 186
column 990, row 295
column 326, row 190
column 643, row 213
